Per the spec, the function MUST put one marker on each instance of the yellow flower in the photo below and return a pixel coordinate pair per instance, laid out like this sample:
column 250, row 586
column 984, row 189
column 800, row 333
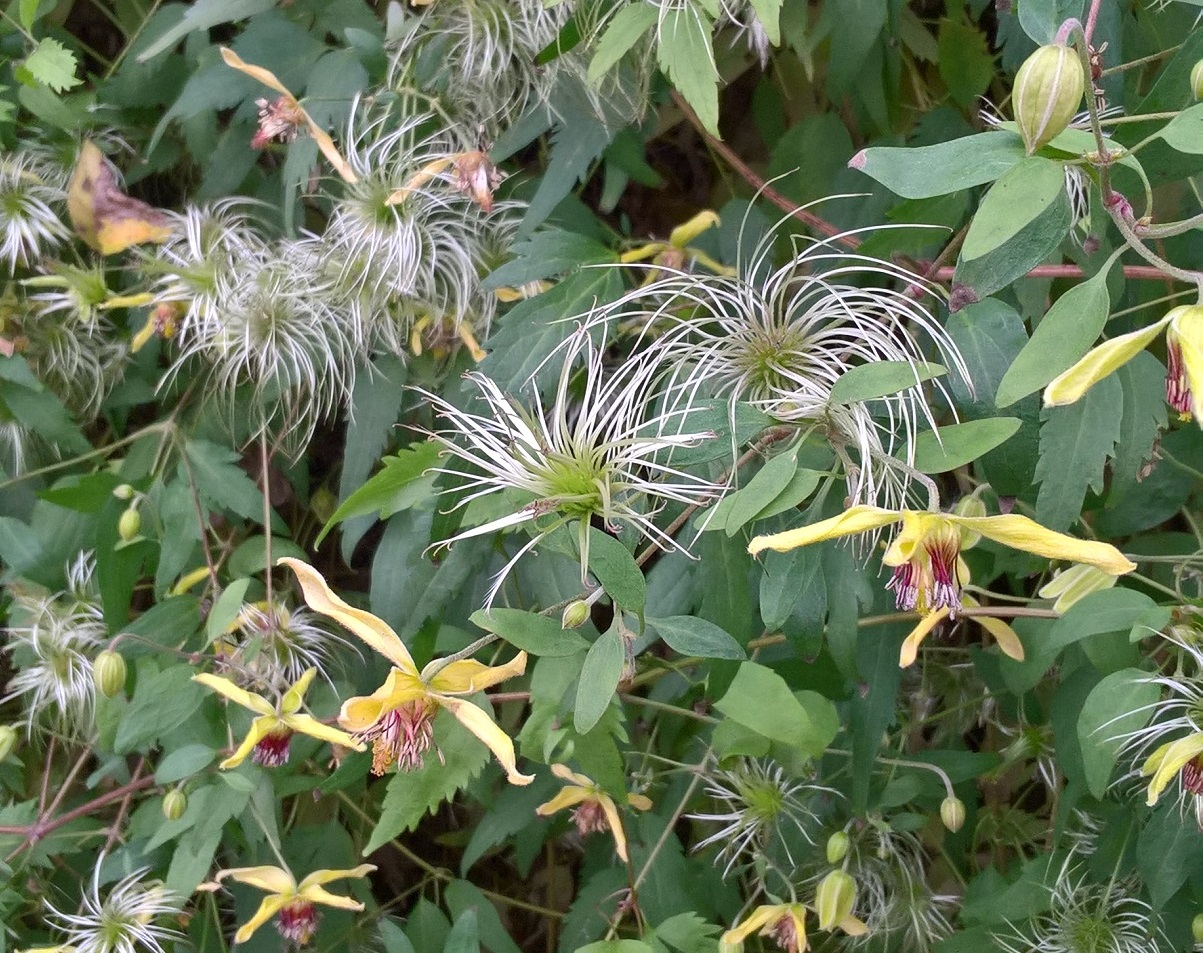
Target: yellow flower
column 1003, row 634
column 595, row 809
column 398, row 717
column 1184, row 362
column 1171, row 758
column 924, row 554
column 676, row 251
column 291, row 902
column 272, row 731
column 786, row 924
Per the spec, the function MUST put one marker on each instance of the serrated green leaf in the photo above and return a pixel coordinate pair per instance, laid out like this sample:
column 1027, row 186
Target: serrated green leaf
column 546, row 254
column 411, row 795
column 685, row 55
column 881, row 378
column 1075, row 442
column 533, row 633
column 599, row 679
column 44, row 414
column 924, row 172
column 401, row 484
column 625, row 29
column 958, row 444
column 224, row 484
column 1119, row 705
column 688, row 635
column 52, row 65
column 161, row 702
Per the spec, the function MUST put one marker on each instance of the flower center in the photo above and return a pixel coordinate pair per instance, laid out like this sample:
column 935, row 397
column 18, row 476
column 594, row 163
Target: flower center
column 785, row 934
column 589, row 818
column 1177, row 386
column 272, row 750
column 403, row 735
column 928, row 580
column 297, row 921
column 1192, row 775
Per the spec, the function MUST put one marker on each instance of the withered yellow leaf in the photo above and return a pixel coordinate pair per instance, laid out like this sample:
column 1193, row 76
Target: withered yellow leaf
column 103, row 215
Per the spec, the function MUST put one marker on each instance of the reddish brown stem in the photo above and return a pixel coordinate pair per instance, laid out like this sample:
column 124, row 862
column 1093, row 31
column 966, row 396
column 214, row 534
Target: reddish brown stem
column 40, row 828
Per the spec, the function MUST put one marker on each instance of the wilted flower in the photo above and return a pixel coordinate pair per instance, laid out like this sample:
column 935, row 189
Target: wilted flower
column 595, row 809
column 786, row 924
column 602, row 455
column 760, row 807
column 292, row 904
column 32, row 193
column 398, row 717
column 123, row 921
column 272, row 731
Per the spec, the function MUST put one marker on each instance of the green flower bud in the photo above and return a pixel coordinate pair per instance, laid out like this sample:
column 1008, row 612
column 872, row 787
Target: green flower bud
column 175, row 802
column 123, row 492
column 834, row 898
column 971, row 506
column 8, row 741
column 1048, row 91
column 1196, row 927
column 837, row 847
column 108, row 671
column 952, row 813
column 1196, row 89
column 576, row 614
column 1075, row 583
column 129, row 524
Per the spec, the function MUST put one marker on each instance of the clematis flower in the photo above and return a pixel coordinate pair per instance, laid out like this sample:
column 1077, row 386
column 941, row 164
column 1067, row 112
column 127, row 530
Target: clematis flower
column 291, row 903
column 924, row 554
column 786, row 924
column 267, row 741
column 1184, row 363
column 398, row 718
column 1003, row 634
column 595, row 809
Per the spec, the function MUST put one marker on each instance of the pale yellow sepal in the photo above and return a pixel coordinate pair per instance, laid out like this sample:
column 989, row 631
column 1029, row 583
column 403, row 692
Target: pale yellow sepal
column 1075, row 583
column 1186, row 330
column 320, row 136
column 855, row 519
column 686, row 232
column 581, row 789
column 1003, row 634
column 1098, row 363
column 1165, row 763
column 282, row 888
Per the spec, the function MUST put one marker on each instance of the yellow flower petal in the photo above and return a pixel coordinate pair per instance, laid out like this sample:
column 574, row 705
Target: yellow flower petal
column 856, row 519
column 762, row 916
column 481, row 725
column 565, row 773
column 296, row 694
column 267, row 909
column 260, row 729
column 1003, row 634
column 399, row 688
column 468, row 675
column 686, row 232
column 1187, row 326
column 1168, row 760
column 568, row 797
column 271, row 879
column 853, row 926
column 370, row 629
column 226, row 688
column 308, row 725
column 1019, row 532
column 315, row 894
column 639, row 802
column 1098, row 363
column 917, row 528
column 620, row 836
column 910, row 648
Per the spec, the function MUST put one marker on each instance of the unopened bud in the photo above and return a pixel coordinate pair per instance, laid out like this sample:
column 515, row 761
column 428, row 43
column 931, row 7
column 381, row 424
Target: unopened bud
column 728, row 944
column 1196, row 89
column 970, row 506
column 834, row 898
column 575, row 614
column 837, row 847
column 129, row 525
column 108, row 671
column 952, row 813
column 1196, row 927
column 8, row 740
column 1074, row 584
column 1048, row 91
column 175, row 803
column 123, row 492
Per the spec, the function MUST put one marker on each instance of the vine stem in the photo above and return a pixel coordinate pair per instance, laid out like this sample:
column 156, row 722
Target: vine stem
column 40, row 828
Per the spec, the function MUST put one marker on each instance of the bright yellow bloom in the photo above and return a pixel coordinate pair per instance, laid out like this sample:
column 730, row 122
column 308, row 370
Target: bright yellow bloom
column 595, row 809
column 291, row 902
column 1184, row 363
column 272, row 731
column 676, row 251
column 786, row 924
column 1003, row 634
column 924, row 554
column 1171, row 758
column 398, row 717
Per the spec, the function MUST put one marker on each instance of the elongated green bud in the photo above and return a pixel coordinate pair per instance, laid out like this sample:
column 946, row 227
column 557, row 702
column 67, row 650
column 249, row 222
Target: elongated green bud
column 129, row 525
column 1196, row 927
column 834, row 898
column 575, row 614
column 1074, row 584
column 952, row 813
column 8, row 741
column 1048, row 91
column 175, row 803
column 837, row 847
column 108, row 671
column 1196, row 89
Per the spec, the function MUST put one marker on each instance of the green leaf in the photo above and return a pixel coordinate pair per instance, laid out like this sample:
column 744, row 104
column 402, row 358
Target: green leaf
column 880, row 378
column 184, row 763
column 52, row 65
column 1122, row 703
column 533, row 633
column 1075, row 443
column 411, row 795
column 1041, row 19
column 224, row 484
column 1143, row 383
column 1013, row 202
column 44, row 414
column 549, row 252
column 162, row 702
column 685, row 56
column 687, row 635
column 1185, row 131
column 958, row 444
column 250, row 558
column 201, row 16
column 20, row 548
column 923, row 172
column 225, row 610
column 402, row 483
column 965, row 61
column 616, row 570
column 760, row 699
column 599, row 679
column 733, row 424
column 28, row 12
column 462, row 896
column 768, row 12
column 465, row 934
column 1063, row 335
column 1167, row 853
column 743, row 505
column 623, row 32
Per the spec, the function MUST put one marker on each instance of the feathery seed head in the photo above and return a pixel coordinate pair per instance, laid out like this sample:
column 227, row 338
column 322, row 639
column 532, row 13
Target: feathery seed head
column 122, row 921
column 32, row 200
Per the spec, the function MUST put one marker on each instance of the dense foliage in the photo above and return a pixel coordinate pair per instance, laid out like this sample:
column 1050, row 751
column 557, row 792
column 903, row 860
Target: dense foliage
column 644, row 476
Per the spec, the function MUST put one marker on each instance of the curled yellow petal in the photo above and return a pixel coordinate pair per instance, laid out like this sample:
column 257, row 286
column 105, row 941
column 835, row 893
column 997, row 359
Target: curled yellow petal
column 399, row 688
column 567, row 797
column 686, row 232
column 316, row 894
column 271, row 879
column 226, row 688
column 296, row 693
column 762, row 916
column 1003, row 634
column 1019, row 532
column 1098, row 363
column 1165, row 763
column 910, row 648
column 481, row 725
column 267, row 909
column 639, row 802
column 260, row 729
column 468, row 675
column 419, row 179
column 1186, row 324
column 565, row 773
column 308, row 725
column 328, row 876
column 855, row 519
column 620, row 836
